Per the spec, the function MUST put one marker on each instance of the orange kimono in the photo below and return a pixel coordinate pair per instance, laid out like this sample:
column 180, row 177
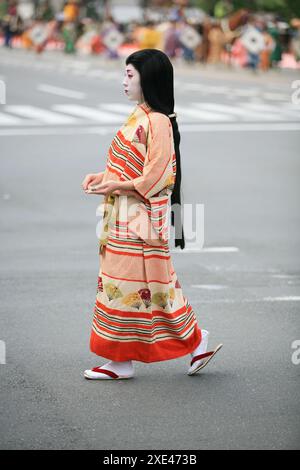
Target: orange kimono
column 140, row 311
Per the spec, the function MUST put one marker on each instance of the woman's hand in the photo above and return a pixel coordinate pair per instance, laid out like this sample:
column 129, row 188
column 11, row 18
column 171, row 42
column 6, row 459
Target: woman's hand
column 92, row 178
column 105, row 188
column 110, row 186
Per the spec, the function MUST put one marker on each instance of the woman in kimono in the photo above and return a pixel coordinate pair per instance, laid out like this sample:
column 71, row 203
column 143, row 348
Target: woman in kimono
column 140, row 312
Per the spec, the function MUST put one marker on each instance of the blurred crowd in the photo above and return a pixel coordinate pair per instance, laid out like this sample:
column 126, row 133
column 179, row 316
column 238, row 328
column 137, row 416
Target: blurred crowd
column 238, row 38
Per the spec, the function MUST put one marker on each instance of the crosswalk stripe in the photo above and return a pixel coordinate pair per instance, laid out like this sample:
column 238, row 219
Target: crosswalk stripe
column 290, row 107
column 61, row 91
column 124, row 109
column 210, row 249
column 79, row 67
column 6, row 120
column 33, row 112
column 115, row 113
column 275, row 96
column 202, row 114
column 86, row 112
column 204, row 88
column 244, row 92
column 110, row 130
column 239, row 111
column 268, row 107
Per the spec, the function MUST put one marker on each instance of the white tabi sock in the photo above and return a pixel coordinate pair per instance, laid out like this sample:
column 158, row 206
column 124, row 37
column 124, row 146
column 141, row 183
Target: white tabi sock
column 202, row 348
column 120, row 368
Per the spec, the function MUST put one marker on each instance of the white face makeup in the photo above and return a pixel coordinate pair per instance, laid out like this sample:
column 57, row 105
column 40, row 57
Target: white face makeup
column 131, row 83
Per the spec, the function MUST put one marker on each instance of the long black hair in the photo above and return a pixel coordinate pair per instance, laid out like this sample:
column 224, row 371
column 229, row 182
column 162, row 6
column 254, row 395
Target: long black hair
column 157, row 84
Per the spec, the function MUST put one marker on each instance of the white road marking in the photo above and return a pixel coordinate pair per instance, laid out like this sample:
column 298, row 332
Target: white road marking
column 6, row 120
column 204, row 88
column 262, row 107
column 238, row 301
column 202, row 114
column 104, row 130
column 245, row 91
column 241, row 127
column 275, row 96
column 87, row 112
column 210, row 249
column 291, row 107
column 285, row 276
column 56, row 131
column 209, row 286
column 244, row 113
column 43, row 115
column 61, row 91
column 114, row 113
column 85, row 68
column 118, row 108
column 287, row 298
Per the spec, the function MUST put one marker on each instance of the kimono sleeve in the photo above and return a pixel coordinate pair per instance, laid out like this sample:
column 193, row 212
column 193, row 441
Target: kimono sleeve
column 157, row 171
column 157, row 180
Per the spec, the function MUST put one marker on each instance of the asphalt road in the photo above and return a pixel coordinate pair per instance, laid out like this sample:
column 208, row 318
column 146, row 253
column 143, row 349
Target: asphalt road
column 240, row 157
